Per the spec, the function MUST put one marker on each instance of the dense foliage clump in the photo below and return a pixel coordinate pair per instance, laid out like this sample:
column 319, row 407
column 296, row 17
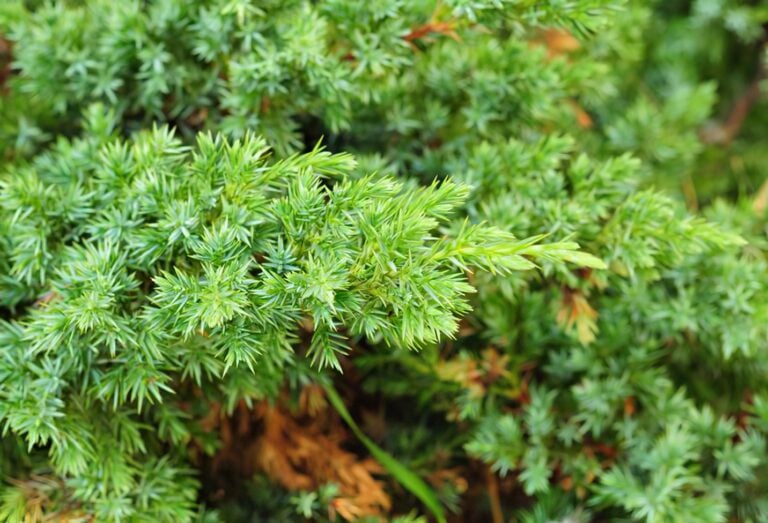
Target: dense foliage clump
column 390, row 260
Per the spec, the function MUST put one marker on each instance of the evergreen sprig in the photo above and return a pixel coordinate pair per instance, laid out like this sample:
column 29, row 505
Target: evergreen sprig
column 157, row 264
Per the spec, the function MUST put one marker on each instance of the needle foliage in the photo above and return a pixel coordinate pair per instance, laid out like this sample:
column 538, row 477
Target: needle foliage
column 525, row 240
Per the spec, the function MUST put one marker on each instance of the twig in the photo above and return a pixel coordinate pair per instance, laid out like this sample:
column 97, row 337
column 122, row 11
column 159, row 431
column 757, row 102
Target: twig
column 725, row 133
column 497, row 516
column 6, row 49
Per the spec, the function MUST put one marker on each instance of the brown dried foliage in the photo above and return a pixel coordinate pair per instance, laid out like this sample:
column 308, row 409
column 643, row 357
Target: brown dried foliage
column 299, row 450
column 576, row 312
column 43, row 504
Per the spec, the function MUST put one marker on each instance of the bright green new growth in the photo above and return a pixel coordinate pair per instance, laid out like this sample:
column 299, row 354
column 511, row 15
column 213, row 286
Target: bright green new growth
column 161, row 265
